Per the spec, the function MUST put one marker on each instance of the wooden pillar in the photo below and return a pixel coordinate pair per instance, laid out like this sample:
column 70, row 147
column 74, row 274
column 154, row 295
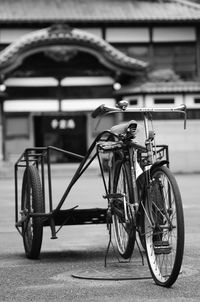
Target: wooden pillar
column 151, row 48
column 2, row 129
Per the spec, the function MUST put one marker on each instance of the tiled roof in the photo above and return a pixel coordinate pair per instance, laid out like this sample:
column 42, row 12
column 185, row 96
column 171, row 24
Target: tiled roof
column 96, row 11
column 161, row 87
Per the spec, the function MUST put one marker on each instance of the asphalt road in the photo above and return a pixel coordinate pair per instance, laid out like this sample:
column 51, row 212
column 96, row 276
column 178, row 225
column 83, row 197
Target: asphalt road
column 79, row 252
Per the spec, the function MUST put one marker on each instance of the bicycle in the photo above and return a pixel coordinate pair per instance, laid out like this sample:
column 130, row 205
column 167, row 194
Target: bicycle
column 150, row 203
column 147, row 202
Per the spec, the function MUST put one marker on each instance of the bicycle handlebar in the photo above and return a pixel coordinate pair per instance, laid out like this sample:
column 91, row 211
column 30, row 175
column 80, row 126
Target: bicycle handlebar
column 104, row 109
column 99, row 111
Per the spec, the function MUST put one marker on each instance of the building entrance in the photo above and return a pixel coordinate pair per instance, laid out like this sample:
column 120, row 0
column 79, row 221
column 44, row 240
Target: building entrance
column 67, row 132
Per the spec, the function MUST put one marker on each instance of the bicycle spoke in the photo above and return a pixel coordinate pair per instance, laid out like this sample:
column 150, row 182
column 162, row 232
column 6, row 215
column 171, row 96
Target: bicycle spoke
column 123, row 226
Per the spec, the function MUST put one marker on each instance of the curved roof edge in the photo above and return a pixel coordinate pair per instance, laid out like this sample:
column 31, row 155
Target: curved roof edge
column 62, row 35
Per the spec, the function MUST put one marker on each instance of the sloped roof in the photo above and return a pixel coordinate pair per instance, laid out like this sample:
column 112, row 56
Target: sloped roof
column 161, row 87
column 14, row 54
column 39, row 11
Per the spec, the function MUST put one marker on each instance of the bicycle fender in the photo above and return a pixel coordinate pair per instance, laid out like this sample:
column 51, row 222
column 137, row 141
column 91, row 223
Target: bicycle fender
column 142, row 178
column 158, row 163
column 142, row 182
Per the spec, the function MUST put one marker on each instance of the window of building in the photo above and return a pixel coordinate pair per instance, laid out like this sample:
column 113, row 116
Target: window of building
column 140, row 52
column 8, row 35
column 197, row 100
column 93, row 30
column 127, row 34
column 193, row 114
column 162, row 101
column 133, row 102
column 127, row 116
column 31, row 105
column 17, row 126
column 170, row 47
column 174, row 34
column 179, row 57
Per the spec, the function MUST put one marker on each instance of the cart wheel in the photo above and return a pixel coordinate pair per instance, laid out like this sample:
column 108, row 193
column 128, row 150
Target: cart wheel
column 32, row 202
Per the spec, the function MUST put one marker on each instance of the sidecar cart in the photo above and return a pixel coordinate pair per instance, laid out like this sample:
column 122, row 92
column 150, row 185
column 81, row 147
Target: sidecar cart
column 33, row 172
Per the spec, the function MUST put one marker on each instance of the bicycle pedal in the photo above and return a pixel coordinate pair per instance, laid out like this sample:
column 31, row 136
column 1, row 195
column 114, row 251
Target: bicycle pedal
column 162, row 247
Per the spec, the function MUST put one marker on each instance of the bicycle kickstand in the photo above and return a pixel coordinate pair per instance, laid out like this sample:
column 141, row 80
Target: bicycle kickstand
column 109, row 226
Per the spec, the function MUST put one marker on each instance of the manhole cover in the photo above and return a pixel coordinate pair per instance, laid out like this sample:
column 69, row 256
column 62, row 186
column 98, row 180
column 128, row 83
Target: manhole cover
column 121, row 271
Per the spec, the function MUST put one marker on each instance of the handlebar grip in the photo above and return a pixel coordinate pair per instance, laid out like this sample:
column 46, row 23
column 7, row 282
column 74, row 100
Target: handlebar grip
column 98, row 111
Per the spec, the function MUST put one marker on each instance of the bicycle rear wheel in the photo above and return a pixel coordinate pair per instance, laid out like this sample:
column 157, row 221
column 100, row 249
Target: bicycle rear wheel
column 164, row 227
column 32, row 202
column 122, row 215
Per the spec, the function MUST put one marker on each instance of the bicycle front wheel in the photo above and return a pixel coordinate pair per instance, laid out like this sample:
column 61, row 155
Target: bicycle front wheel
column 164, row 227
column 123, row 222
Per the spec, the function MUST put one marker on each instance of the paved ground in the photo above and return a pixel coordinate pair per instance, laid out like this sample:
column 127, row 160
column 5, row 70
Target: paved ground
column 80, row 250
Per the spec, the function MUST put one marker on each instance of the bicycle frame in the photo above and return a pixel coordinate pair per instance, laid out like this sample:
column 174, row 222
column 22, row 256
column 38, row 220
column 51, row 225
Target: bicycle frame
column 154, row 155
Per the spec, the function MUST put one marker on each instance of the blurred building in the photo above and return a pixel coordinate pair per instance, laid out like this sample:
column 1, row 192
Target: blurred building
column 60, row 59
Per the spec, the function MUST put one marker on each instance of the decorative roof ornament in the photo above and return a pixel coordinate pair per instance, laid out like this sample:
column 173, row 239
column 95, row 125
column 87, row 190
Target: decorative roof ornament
column 60, row 54
column 72, row 39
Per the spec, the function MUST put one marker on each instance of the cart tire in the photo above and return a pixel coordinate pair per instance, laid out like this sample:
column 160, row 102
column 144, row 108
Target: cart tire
column 32, row 201
column 124, row 230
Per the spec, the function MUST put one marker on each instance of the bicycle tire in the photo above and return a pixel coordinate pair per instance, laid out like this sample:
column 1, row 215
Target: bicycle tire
column 164, row 227
column 141, row 185
column 32, row 227
column 124, row 230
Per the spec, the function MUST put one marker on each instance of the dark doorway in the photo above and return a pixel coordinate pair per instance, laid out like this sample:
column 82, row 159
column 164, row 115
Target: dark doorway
column 67, row 132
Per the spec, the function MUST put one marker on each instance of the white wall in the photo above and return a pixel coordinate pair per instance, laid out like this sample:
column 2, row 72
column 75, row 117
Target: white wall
column 184, row 145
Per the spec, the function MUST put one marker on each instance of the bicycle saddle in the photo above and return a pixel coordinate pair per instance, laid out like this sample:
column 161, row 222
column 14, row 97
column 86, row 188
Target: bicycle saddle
column 122, row 128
